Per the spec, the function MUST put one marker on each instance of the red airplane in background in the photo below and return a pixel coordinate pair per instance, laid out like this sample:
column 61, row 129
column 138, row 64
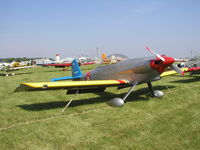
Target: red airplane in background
column 66, row 64
column 62, row 63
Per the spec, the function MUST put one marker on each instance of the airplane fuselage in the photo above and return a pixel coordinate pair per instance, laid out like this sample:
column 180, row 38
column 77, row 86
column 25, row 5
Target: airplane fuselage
column 134, row 70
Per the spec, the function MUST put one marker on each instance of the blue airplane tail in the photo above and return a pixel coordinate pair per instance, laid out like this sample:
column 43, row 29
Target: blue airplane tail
column 76, row 72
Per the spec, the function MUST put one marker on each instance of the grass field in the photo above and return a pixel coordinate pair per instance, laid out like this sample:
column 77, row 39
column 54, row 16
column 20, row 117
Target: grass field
column 34, row 121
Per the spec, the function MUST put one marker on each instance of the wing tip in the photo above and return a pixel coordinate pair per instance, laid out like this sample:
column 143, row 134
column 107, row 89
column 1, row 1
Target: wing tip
column 22, row 87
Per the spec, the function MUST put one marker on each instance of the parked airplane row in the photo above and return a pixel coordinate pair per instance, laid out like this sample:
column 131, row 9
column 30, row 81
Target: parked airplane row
column 65, row 63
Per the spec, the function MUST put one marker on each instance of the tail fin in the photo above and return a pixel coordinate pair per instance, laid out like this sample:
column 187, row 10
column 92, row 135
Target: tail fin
column 57, row 58
column 76, row 72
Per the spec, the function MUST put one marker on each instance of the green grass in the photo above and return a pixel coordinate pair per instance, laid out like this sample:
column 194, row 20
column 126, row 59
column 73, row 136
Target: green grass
column 33, row 120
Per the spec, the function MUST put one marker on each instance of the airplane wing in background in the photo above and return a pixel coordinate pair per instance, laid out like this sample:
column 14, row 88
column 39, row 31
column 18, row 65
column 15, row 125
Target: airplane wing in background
column 192, row 71
column 172, row 72
column 89, row 63
column 58, row 65
column 66, row 64
column 70, row 85
column 18, row 68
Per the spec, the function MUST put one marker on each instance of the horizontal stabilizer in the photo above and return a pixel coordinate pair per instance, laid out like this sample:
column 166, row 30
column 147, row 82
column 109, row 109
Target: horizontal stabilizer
column 76, row 72
column 65, row 78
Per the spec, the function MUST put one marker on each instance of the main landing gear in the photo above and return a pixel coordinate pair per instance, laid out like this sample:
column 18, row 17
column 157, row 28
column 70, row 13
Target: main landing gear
column 154, row 93
column 118, row 102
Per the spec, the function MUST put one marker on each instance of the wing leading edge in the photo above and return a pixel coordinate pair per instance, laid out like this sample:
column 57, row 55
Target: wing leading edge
column 69, row 85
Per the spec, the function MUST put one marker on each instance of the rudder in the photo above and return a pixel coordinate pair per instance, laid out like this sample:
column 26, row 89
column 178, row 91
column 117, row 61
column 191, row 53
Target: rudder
column 76, row 71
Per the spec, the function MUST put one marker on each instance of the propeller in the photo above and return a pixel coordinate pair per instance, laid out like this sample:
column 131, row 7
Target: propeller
column 157, row 55
column 167, row 61
column 177, row 69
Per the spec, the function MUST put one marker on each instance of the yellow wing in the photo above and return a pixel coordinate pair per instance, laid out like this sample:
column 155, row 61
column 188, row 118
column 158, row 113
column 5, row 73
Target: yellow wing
column 171, row 72
column 69, row 84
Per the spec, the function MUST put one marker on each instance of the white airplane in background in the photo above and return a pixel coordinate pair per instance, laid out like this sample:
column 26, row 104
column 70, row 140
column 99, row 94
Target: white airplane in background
column 7, row 67
column 60, row 61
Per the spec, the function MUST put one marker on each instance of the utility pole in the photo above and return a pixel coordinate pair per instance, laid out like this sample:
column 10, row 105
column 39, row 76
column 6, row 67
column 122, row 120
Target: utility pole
column 97, row 50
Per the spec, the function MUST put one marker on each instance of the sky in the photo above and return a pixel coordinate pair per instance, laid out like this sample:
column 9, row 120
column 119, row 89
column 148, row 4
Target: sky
column 43, row 28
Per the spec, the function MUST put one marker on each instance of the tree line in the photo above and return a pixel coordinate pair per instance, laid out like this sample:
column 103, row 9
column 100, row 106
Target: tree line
column 16, row 59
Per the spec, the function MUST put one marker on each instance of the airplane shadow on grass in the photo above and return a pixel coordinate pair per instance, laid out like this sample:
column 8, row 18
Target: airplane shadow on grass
column 137, row 95
column 191, row 79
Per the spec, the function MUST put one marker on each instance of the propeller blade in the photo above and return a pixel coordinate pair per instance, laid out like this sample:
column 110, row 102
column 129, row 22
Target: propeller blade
column 177, row 69
column 157, row 55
